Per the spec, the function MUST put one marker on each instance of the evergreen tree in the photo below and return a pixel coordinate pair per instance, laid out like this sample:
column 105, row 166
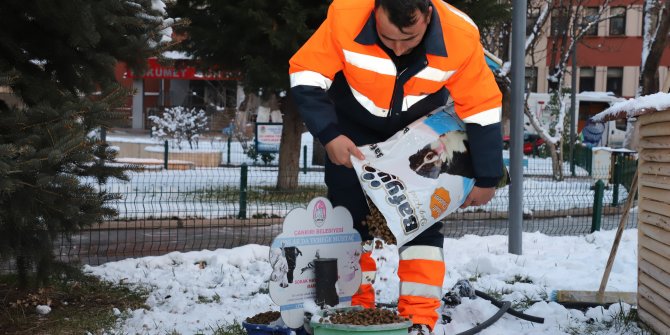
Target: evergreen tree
column 58, row 59
column 255, row 36
column 485, row 13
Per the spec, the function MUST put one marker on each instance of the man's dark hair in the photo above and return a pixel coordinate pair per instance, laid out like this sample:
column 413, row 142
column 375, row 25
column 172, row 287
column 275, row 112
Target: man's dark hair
column 401, row 12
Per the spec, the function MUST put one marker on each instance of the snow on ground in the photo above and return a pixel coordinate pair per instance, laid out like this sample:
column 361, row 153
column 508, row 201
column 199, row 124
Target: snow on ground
column 186, row 298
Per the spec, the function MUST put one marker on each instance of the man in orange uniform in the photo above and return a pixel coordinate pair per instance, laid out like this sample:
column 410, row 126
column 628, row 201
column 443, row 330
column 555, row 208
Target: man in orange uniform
column 371, row 69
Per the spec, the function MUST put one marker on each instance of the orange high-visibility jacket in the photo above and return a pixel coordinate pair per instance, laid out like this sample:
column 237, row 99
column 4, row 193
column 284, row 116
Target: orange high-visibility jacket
column 345, row 82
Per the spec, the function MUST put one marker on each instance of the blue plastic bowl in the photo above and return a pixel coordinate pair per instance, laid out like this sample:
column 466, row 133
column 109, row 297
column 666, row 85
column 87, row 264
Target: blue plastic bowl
column 256, row 329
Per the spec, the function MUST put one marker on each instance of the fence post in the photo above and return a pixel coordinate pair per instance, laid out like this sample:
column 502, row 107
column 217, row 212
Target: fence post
column 165, row 156
column 228, row 154
column 243, row 191
column 572, row 157
column 597, row 205
column 304, row 159
column 616, row 179
column 589, row 160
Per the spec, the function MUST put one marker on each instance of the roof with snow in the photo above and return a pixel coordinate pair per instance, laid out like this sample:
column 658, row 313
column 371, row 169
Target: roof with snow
column 634, row 107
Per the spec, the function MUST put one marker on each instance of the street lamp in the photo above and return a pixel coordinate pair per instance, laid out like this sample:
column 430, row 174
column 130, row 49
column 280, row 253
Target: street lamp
column 573, row 107
column 573, row 98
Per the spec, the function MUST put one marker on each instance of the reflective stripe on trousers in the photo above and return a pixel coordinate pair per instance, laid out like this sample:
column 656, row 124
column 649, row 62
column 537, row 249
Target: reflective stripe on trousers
column 421, row 271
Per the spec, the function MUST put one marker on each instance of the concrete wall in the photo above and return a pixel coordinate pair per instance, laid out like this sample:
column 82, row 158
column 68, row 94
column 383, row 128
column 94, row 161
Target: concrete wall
column 137, row 150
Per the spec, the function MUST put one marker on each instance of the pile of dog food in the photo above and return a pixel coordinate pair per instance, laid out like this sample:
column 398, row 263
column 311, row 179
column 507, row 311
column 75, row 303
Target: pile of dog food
column 364, row 317
column 264, row 318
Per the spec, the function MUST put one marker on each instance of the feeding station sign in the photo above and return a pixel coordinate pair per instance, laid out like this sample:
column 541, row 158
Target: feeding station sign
column 316, row 232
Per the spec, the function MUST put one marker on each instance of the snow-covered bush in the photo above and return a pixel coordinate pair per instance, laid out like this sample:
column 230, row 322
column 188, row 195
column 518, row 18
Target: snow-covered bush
column 178, row 124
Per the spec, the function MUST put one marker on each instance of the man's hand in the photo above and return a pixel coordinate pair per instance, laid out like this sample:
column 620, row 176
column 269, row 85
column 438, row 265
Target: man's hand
column 479, row 196
column 340, row 149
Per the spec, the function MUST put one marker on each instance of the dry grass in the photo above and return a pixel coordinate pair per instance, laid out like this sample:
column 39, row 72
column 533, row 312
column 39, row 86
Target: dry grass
column 79, row 304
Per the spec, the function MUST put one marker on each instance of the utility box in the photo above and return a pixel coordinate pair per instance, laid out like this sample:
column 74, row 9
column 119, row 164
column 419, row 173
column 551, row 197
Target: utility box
column 604, row 160
column 601, row 166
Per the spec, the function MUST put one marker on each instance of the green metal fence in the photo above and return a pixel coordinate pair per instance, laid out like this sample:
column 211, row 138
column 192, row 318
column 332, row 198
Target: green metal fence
column 583, row 157
column 237, row 204
column 164, row 211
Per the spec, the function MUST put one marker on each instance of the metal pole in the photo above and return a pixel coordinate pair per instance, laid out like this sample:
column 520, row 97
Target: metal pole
column 573, row 101
column 165, row 156
column 228, row 153
column 597, row 217
column 244, row 170
column 304, row 159
column 616, row 178
column 516, row 126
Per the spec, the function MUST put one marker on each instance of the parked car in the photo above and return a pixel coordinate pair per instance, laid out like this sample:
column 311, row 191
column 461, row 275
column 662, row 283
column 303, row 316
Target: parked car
column 529, row 141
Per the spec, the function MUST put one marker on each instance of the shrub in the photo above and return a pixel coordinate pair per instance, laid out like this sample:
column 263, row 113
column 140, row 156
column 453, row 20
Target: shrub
column 178, row 124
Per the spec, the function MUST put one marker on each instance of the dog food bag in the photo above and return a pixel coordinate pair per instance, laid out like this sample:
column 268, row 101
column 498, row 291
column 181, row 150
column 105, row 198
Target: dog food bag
column 419, row 175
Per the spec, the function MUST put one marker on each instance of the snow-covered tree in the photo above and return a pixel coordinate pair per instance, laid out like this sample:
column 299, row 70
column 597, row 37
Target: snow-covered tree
column 179, row 124
column 656, row 29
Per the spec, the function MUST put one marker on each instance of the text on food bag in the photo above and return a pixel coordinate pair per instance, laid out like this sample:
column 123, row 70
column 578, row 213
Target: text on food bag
column 396, row 195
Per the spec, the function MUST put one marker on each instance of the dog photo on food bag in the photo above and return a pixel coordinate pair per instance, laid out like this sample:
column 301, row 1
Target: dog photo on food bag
column 448, row 154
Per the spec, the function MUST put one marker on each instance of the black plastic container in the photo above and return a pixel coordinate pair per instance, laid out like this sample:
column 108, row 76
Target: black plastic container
column 325, row 273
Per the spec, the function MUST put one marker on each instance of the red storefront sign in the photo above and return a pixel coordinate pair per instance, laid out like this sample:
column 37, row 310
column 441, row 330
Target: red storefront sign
column 157, row 71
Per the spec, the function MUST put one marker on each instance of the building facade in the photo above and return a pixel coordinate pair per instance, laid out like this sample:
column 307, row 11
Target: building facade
column 608, row 56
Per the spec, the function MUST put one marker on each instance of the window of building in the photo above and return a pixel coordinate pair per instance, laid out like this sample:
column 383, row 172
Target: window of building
column 591, row 17
column 621, row 124
column 559, row 22
column 615, row 80
column 617, row 21
column 587, row 79
column 228, row 89
column 531, row 79
column 196, row 94
column 212, row 93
